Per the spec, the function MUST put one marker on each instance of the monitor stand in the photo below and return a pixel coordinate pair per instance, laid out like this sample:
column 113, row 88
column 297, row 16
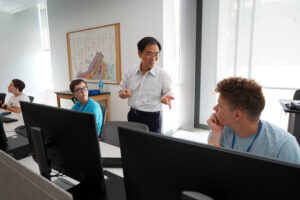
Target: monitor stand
column 115, row 189
column 114, row 185
column 39, row 151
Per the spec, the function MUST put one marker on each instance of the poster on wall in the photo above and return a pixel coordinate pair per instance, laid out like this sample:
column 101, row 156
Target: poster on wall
column 94, row 54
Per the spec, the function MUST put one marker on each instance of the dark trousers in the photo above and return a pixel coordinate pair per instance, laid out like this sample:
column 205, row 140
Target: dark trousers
column 151, row 119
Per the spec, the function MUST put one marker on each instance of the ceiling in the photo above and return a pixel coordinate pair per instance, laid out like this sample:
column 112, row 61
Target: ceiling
column 15, row 6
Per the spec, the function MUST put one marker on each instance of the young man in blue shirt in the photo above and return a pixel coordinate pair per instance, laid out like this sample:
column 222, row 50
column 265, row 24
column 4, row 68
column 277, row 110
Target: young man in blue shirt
column 85, row 104
column 236, row 123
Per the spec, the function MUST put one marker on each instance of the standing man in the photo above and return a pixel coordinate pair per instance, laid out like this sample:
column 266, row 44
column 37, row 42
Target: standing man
column 15, row 87
column 236, row 123
column 147, row 86
column 85, row 104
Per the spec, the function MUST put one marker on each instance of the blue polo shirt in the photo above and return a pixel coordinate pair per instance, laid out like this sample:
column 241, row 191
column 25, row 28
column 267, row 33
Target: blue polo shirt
column 272, row 141
column 91, row 107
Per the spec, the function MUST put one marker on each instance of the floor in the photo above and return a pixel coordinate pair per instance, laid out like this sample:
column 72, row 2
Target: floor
column 198, row 135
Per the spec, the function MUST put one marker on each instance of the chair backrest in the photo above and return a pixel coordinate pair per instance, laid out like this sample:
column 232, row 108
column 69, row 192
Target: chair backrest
column 74, row 99
column 104, row 113
column 297, row 95
column 31, row 98
column 109, row 132
column 292, row 116
column 2, row 97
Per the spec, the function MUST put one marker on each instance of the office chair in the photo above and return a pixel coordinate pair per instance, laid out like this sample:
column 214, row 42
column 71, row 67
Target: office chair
column 31, row 98
column 297, row 95
column 292, row 116
column 2, row 98
column 74, row 99
column 104, row 113
column 109, row 133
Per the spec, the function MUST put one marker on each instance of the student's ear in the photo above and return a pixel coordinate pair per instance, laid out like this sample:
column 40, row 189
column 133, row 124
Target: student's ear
column 238, row 114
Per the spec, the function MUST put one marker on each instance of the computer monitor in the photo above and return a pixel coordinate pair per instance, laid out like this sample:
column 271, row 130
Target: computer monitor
column 18, row 182
column 161, row 167
column 3, row 138
column 70, row 142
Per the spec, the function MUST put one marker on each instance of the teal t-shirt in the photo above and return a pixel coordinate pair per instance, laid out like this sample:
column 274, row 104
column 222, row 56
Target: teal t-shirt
column 91, row 107
column 272, row 141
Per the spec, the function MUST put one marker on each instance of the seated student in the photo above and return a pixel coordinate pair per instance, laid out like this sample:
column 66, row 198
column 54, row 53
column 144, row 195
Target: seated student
column 80, row 90
column 16, row 87
column 236, row 123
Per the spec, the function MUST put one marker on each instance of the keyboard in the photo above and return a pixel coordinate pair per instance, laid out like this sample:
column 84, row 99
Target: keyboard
column 5, row 113
column 8, row 119
column 111, row 162
column 21, row 130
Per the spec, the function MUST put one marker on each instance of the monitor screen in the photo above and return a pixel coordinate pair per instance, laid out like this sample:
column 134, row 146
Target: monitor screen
column 70, row 142
column 161, row 167
column 19, row 182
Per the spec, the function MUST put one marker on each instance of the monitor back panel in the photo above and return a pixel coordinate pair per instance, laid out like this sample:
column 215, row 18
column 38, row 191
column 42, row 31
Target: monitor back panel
column 161, row 167
column 18, row 182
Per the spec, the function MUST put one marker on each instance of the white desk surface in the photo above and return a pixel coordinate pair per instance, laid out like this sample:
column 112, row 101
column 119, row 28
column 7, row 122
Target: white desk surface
column 10, row 127
column 107, row 150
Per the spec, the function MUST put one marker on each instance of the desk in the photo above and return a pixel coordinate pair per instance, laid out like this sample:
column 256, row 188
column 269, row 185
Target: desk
column 98, row 97
column 107, row 150
column 17, row 145
column 9, row 128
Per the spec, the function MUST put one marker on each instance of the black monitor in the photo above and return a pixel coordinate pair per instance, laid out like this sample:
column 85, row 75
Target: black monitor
column 161, row 167
column 3, row 138
column 70, row 142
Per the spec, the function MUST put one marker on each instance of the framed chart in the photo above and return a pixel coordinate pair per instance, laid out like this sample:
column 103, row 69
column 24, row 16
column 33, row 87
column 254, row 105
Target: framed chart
column 94, row 54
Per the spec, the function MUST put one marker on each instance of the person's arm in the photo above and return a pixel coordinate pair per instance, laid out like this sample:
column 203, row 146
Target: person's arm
column 290, row 151
column 166, row 99
column 4, row 106
column 216, row 130
column 13, row 109
column 125, row 93
column 99, row 118
column 167, row 91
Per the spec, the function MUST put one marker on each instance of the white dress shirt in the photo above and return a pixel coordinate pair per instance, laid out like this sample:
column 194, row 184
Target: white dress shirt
column 146, row 90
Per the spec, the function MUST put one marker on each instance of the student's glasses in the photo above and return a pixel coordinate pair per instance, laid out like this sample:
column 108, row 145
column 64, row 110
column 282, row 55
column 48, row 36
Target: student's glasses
column 81, row 89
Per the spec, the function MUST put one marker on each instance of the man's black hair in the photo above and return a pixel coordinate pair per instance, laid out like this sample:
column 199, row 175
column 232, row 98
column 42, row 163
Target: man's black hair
column 146, row 41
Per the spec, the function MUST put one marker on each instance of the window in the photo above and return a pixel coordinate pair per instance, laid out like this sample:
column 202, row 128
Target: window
column 44, row 58
column 44, row 29
column 259, row 39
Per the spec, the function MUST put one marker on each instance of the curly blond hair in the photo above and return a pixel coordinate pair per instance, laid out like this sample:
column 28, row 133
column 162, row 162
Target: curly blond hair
column 242, row 93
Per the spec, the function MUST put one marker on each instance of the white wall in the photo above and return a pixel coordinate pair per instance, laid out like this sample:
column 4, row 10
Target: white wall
column 20, row 53
column 188, row 63
column 137, row 18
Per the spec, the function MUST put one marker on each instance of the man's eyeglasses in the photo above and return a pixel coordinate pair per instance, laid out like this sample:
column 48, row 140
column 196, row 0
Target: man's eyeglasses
column 81, row 89
column 151, row 54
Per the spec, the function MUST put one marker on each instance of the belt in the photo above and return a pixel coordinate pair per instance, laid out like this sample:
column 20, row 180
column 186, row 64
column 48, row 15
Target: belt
column 143, row 112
